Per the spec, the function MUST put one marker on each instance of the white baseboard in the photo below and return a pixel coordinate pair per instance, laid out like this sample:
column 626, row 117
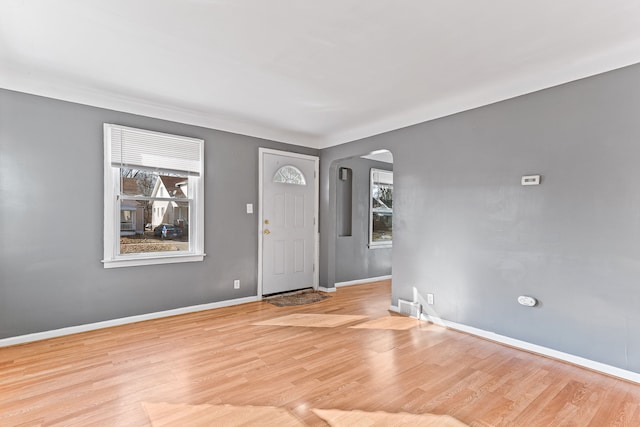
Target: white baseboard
column 323, row 289
column 534, row 348
column 362, row 281
column 37, row 336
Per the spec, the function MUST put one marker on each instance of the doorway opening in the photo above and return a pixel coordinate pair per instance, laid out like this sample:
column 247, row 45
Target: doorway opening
column 364, row 218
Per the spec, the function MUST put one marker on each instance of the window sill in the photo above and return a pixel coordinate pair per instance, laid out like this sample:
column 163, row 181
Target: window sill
column 167, row 259
column 380, row 245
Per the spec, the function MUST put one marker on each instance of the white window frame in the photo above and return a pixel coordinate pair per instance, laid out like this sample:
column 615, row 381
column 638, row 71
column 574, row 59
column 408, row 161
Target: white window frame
column 112, row 258
column 372, row 244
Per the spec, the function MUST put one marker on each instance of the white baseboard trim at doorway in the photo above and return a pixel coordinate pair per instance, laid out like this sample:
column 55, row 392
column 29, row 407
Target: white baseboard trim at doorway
column 362, row 281
column 323, row 289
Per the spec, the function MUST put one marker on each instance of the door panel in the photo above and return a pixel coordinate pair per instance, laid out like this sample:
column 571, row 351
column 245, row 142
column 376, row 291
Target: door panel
column 288, row 229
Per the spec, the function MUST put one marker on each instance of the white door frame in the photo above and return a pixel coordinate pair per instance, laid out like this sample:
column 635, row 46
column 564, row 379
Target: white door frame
column 316, row 196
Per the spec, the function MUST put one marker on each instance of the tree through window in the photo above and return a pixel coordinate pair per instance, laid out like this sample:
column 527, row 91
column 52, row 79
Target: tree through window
column 381, row 208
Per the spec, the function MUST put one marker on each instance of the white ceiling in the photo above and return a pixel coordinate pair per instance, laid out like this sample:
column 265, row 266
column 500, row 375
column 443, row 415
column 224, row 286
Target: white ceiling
column 313, row 73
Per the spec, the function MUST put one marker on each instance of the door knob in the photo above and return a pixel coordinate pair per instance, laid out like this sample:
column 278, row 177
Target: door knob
column 266, row 231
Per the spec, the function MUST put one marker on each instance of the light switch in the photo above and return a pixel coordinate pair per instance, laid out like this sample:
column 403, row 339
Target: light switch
column 249, row 208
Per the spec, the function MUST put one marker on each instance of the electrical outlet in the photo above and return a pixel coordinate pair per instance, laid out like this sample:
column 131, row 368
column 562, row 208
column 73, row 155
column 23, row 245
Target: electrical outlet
column 236, row 284
column 430, row 299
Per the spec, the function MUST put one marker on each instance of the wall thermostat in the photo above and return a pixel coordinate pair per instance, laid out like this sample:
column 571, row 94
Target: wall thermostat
column 531, row 180
column 527, row 301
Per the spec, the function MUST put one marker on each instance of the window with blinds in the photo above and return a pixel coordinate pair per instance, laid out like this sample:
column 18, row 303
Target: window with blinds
column 154, row 203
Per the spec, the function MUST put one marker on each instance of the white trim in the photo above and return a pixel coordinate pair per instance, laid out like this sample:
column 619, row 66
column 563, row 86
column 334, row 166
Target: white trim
column 316, row 184
column 493, row 92
column 168, row 259
column 316, row 259
column 41, row 83
column 316, row 222
column 37, row 336
column 260, row 216
column 362, row 281
column 534, row 348
column 380, row 245
column 323, row 289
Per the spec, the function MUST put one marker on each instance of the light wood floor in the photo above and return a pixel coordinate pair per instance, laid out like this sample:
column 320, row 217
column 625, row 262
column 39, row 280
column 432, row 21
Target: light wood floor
column 227, row 357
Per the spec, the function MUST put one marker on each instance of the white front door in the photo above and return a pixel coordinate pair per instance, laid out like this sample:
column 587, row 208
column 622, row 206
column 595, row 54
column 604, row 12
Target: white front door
column 288, row 221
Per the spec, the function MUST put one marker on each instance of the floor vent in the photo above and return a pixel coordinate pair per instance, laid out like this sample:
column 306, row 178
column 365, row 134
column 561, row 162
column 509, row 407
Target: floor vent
column 408, row 308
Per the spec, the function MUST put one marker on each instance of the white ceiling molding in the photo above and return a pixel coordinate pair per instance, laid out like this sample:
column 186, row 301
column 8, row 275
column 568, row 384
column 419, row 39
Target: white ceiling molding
column 45, row 85
column 309, row 73
column 384, row 156
column 529, row 82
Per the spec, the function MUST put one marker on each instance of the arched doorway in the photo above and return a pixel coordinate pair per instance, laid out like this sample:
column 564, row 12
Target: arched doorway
column 363, row 195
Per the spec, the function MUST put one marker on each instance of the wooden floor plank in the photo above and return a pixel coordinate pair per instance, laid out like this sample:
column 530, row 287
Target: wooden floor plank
column 259, row 355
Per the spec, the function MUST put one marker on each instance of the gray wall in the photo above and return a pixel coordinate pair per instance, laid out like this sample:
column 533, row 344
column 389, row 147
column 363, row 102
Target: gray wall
column 51, row 220
column 467, row 231
column 464, row 228
column 354, row 259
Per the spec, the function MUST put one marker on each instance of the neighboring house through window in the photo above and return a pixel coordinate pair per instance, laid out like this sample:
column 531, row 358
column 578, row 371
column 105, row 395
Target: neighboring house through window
column 174, row 210
column 131, row 213
column 154, row 198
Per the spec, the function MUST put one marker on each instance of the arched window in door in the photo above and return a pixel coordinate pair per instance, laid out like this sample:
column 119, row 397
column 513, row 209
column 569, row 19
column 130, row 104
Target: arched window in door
column 289, row 174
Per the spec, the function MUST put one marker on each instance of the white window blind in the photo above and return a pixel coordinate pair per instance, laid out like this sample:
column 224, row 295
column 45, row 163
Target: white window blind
column 142, row 148
column 382, row 177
